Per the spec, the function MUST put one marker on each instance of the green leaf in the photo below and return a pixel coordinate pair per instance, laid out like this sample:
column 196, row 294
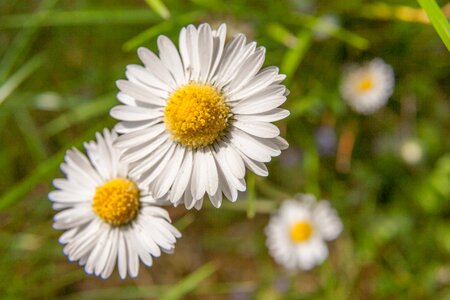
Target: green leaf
column 41, row 173
column 294, row 56
column 158, row 29
column 23, row 73
column 251, row 195
column 24, row 38
column 80, row 114
column 180, row 289
column 438, row 20
column 159, row 8
column 80, row 17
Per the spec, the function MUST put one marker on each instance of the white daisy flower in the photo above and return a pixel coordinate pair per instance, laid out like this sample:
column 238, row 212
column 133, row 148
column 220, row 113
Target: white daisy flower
column 194, row 118
column 367, row 88
column 107, row 216
column 411, row 151
column 296, row 234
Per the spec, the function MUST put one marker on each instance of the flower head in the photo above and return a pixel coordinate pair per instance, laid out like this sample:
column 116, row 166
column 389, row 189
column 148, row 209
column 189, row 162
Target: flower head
column 107, row 215
column 367, row 88
column 194, row 118
column 296, row 234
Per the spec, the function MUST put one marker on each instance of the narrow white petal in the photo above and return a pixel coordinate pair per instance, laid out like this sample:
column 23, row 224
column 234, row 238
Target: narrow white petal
column 133, row 260
column 139, row 137
column 154, row 65
column 247, row 71
column 212, row 177
column 182, row 179
column 218, row 48
column 166, row 179
column 259, row 129
column 171, row 59
column 140, row 93
column 122, row 256
column 262, row 80
column 131, row 113
column 199, row 175
column 205, row 48
column 273, row 115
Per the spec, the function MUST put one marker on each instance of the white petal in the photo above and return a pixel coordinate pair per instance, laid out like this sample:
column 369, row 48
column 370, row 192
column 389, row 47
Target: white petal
column 122, row 256
column 156, row 67
column 199, row 175
column 212, row 177
column 171, row 59
column 111, row 261
column 182, row 179
column 139, row 137
column 205, row 48
column 249, row 146
column 133, row 260
column 259, row 129
column 262, row 80
column 140, row 93
column 218, row 48
column 247, row 71
column 256, row 167
column 166, row 179
column 273, row 115
column 131, row 113
column 193, row 52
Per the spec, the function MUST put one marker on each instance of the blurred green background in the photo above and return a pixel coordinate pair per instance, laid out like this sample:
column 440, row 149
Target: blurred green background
column 387, row 174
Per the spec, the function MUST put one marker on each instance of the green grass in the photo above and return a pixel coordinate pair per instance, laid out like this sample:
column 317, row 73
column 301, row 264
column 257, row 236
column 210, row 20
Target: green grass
column 59, row 61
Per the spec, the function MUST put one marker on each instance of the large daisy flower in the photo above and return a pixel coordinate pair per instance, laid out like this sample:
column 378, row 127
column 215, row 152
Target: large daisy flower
column 296, row 234
column 106, row 215
column 193, row 119
column 367, row 88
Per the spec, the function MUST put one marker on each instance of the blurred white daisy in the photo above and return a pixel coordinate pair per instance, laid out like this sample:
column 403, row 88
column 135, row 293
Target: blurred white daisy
column 296, row 234
column 367, row 88
column 106, row 215
column 411, row 151
column 194, row 118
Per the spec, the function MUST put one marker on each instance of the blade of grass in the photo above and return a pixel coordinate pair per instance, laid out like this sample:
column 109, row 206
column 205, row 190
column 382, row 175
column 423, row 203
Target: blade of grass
column 41, row 173
column 23, row 39
column 282, row 35
column 146, row 35
column 337, row 31
column 125, row 292
column 386, row 11
column 294, row 56
column 23, row 73
column 438, row 20
column 78, row 18
column 189, row 283
column 31, row 135
column 79, row 114
column 159, row 8
column 251, row 195
column 262, row 206
column 158, row 29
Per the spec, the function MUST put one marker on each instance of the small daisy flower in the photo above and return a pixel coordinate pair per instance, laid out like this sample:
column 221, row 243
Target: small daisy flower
column 367, row 88
column 411, row 151
column 193, row 119
column 106, row 215
column 296, row 234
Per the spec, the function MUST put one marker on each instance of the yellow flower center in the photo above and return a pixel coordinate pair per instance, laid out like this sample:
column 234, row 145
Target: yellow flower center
column 301, row 231
column 117, row 201
column 196, row 115
column 365, row 84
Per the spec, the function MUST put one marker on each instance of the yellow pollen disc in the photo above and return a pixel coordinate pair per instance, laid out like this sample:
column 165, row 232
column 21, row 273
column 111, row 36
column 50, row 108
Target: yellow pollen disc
column 117, row 201
column 196, row 115
column 365, row 84
column 301, row 231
